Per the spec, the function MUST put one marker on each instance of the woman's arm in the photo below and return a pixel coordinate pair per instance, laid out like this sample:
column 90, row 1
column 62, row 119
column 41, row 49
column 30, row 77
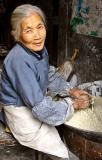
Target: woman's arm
column 57, row 84
column 43, row 107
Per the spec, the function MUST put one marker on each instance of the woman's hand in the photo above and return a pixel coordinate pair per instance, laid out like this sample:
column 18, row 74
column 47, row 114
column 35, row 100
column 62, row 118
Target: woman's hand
column 80, row 94
column 76, row 92
column 80, row 104
column 81, row 98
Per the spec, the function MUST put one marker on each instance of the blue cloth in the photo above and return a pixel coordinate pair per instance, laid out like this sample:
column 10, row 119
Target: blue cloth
column 25, row 80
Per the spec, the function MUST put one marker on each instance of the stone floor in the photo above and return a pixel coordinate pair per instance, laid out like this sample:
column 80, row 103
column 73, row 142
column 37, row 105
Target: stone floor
column 72, row 156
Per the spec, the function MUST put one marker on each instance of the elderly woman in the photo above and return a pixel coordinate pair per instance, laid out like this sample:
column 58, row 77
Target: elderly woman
column 26, row 77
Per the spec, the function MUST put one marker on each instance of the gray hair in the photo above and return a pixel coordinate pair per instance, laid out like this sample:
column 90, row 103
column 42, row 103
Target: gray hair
column 22, row 12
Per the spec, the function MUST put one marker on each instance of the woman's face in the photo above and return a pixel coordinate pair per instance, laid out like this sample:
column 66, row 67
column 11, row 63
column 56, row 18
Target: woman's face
column 33, row 32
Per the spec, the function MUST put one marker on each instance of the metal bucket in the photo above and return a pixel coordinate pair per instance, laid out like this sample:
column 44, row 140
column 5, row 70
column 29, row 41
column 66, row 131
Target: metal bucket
column 86, row 144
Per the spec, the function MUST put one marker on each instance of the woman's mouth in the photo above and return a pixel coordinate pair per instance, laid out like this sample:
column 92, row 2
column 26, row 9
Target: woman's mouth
column 38, row 44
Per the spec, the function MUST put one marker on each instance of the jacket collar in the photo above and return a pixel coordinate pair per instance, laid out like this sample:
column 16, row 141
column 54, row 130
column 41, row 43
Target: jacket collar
column 38, row 55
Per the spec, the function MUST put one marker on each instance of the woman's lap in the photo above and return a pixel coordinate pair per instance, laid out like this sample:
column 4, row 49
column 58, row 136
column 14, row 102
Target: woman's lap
column 34, row 134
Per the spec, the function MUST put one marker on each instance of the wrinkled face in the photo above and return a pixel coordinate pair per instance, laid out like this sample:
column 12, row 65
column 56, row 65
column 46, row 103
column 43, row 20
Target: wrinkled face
column 33, row 32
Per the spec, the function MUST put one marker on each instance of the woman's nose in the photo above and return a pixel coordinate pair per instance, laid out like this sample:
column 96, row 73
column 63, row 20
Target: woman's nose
column 36, row 34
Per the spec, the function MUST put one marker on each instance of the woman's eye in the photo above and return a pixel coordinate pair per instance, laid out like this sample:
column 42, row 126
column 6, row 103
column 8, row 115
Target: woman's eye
column 40, row 27
column 28, row 31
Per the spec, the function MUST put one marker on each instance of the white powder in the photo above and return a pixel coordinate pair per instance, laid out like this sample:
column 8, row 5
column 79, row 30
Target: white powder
column 89, row 119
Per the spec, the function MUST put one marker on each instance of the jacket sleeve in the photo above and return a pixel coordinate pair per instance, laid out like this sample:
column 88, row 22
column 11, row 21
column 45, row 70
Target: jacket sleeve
column 43, row 107
column 53, row 112
column 57, row 84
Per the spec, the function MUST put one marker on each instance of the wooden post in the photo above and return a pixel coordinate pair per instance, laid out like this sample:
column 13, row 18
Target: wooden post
column 64, row 29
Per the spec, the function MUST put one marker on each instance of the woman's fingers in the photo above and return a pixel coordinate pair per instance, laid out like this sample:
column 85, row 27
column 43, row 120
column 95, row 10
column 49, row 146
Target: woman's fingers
column 81, row 94
column 80, row 104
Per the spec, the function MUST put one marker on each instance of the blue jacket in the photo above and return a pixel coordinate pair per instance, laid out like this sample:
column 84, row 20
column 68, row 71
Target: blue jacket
column 25, row 78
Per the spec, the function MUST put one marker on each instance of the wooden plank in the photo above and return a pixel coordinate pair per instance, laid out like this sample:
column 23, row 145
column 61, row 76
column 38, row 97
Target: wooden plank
column 62, row 38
